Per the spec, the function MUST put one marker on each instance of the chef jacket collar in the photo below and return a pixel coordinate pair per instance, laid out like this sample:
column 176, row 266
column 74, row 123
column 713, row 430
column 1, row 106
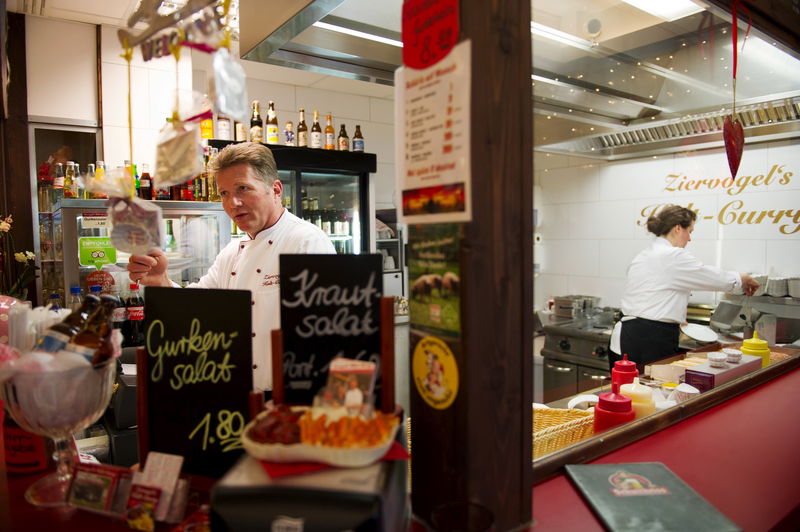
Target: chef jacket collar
column 267, row 233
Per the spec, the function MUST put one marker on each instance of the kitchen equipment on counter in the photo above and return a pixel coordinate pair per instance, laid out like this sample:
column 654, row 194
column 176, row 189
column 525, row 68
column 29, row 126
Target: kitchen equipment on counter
column 700, row 333
column 777, row 287
column 793, row 286
column 574, row 306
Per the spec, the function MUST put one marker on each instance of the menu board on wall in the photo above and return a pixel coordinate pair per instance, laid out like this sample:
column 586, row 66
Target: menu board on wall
column 432, row 120
column 199, row 373
column 330, row 307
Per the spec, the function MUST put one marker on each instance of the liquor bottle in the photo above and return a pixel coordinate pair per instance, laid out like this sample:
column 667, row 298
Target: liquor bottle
column 58, row 184
column 133, row 332
column 202, row 188
column 59, row 334
column 213, row 189
column 145, row 183
column 330, row 133
column 75, row 299
column 224, row 129
column 100, row 173
column 70, row 186
column 316, row 132
column 79, row 182
column 273, row 136
column 170, row 245
column 91, row 173
column 358, row 139
column 240, row 132
column 256, row 124
column 302, row 130
column 288, row 134
column 344, row 140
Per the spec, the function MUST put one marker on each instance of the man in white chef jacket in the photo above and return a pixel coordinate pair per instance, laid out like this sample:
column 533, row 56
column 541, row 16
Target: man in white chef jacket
column 247, row 180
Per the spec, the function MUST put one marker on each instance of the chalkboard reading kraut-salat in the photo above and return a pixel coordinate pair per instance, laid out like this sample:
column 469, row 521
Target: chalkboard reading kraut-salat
column 199, row 372
column 330, row 307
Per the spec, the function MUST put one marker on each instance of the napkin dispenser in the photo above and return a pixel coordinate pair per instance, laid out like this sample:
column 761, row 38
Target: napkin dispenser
column 364, row 498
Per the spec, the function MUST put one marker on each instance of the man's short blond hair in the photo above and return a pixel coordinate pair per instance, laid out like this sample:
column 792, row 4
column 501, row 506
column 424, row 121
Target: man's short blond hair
column 258, row 156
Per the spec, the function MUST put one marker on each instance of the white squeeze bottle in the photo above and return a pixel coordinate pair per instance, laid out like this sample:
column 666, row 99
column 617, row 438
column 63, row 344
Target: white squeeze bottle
column 641, row 397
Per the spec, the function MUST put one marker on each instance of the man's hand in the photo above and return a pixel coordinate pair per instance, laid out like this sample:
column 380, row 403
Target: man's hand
column 150, row 269
column 749, row 285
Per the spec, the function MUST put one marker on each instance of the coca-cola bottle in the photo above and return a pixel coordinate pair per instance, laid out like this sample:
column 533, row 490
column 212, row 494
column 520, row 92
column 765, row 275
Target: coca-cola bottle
column 59, row 334
column 133, row 331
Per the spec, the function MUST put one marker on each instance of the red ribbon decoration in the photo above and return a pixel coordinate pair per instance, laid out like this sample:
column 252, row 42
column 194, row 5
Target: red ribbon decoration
column 732, row 132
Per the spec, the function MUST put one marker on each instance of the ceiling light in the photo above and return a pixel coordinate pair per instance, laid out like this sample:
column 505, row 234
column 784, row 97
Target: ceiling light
column 356, row 33
column 672, row 10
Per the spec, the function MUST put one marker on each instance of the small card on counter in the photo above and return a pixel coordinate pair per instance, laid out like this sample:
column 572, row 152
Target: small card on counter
column 142, row 503
column 97, row 487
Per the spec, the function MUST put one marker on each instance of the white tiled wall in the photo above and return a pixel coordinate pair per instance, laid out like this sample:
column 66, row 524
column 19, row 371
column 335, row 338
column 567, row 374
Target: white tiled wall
column 591, row 217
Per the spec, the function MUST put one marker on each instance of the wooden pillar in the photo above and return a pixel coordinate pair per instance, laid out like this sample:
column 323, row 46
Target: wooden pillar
column 17, row 193
column 479, row 448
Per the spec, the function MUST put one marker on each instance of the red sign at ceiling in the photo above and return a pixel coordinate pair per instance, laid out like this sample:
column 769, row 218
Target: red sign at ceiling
column 430, row 30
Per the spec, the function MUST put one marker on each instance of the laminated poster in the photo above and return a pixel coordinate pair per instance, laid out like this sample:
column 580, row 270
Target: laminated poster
column 433, row 140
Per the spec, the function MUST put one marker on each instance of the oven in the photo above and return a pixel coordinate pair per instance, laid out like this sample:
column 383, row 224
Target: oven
column 575, row 359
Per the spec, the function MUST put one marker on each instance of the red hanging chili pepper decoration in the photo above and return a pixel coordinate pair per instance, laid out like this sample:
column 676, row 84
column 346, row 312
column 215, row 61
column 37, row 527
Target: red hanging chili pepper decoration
column 732, row 132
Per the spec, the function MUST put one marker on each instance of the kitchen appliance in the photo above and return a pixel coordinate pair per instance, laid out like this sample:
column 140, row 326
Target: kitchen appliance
column 574, row 306
column 777, row 319
column 575, row 356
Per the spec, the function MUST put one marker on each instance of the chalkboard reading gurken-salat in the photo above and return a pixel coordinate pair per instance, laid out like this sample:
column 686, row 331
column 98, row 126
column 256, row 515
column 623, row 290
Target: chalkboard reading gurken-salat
column 330, row 306
column 199, row 373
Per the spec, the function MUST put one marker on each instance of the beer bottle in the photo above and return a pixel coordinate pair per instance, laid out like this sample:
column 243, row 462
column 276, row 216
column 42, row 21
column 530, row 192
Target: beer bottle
column 302, row 130
column 272, row 125
column 256, row 124
column 59, row 334
column 358, row 139
column 145, row 183
column 344, row 140
column 316, row 132
column 330, row 133
column 96, row 332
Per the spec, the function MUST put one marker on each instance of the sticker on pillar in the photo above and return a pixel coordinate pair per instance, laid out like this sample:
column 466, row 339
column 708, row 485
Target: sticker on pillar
column 435, row 372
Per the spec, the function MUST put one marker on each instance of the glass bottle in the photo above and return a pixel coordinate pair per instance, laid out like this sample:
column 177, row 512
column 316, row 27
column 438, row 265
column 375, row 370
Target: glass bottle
column 134, row 331
column 57, row 336
column 316, row 132
column 330, row 133
column 75, row 298
column 240, row 132
column 344, row 140
column 256, row 124
column 55, row 302
column 288, row 133
column 120, row 314
column 273, row 136
column 58, row 184
column 224, row 129
column 358, row 139
column 302, row 130
column 213, row 189
column 70, row 184
column 89, row 181
column 170, row 245
column 96, row 332
column 100, row 173
column 45, row 189
column 145, row 183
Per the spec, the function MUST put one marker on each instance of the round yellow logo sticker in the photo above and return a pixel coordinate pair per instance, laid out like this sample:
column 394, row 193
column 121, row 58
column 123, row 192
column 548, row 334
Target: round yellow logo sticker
column 435, row 372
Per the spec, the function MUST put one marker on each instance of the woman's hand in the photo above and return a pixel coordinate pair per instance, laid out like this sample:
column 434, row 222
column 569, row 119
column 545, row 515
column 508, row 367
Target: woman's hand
column 150, row 269
column 749, row 285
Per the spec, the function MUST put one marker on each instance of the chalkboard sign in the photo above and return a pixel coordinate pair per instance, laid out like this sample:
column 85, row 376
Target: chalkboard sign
column 330, row 306
column 197, row 375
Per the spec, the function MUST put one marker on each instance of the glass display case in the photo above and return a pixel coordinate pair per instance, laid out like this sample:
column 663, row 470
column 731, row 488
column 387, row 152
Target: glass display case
column 327, row 188
column 194, row 233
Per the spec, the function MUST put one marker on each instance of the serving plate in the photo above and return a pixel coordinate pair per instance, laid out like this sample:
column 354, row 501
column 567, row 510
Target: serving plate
column 303, row 452
column 701, row 333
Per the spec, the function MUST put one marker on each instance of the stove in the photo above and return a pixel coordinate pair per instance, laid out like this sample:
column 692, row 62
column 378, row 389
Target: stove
column 575, row 358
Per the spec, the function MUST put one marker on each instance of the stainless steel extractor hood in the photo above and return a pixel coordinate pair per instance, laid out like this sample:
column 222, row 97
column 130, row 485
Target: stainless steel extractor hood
column 609, row 80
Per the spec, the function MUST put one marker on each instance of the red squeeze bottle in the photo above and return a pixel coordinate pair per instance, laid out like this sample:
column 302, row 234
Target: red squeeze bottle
column 623, row 372
column 612, row 410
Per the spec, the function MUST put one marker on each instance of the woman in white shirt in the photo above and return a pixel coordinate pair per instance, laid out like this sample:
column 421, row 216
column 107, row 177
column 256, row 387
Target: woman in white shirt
column 659, row 282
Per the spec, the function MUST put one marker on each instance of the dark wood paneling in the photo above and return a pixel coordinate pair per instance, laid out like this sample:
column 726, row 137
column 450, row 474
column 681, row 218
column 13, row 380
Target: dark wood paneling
column 15, row 179
column 479, row 449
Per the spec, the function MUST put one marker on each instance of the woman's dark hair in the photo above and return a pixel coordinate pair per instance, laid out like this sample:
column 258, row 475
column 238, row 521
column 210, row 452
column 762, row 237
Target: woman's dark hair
column 668, row 217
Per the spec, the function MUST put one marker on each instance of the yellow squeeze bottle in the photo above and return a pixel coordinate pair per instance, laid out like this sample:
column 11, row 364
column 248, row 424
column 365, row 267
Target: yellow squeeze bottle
column 756, row 347
column 641, row 398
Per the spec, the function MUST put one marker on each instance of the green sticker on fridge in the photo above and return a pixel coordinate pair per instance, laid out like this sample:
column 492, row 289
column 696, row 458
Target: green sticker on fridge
column 96, row 251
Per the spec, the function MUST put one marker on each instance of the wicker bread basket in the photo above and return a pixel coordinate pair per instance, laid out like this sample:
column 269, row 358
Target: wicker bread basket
column 555, row 428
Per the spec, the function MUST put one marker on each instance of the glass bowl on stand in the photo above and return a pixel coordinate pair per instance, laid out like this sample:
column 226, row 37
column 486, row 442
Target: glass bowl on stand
column 58, row 404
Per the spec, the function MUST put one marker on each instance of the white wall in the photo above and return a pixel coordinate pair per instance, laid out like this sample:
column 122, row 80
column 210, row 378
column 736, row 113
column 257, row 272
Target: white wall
column 61, row 70
column 349, row 101
column 591, row 215
column 152, row 99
